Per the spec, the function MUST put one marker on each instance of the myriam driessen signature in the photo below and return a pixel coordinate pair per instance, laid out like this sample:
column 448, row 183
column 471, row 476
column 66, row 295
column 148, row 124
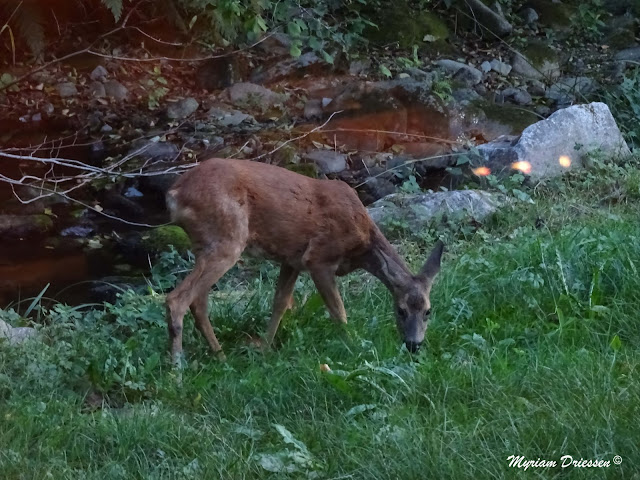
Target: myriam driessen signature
column 566, row 461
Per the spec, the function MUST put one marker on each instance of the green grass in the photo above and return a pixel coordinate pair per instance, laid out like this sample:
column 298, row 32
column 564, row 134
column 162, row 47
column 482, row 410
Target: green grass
column 533, row 350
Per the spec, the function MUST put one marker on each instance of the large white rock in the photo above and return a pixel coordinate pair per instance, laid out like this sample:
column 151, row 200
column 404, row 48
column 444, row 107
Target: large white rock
column 563, row 139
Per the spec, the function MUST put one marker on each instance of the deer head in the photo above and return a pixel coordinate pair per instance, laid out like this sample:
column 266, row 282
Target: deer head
column 412, row 304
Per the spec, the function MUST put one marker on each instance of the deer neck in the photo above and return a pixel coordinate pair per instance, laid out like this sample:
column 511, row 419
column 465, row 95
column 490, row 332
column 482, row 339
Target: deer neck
column 384, row 263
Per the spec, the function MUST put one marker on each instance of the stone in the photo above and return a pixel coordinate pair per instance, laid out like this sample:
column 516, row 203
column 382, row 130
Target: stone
column 359, row 67
column 567, row 89
column 465, row 95
column 419, row 211
column 375, row 188
column 489, row 19
column 485, row 66
column 472, row 74
column 629, row 54
column 313, row 109
column 246, row 93
column 97, row 90
column 228, row 118
column 116, row 90
column 523, row 67
column 529, row 16
column 542, row 110
column 67, row 89
column 501, row 67
column 537, row 88
column 468, row 77
column 276, row 44
column 182, row 108
column 78, row 231
column 571, row 132
column 517, row 95
column 24, row 226
column 16, row 335
column 99, row 73
column 328, row 161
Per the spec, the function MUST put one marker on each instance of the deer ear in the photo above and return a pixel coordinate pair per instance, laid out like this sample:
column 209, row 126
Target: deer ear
column 432, row 265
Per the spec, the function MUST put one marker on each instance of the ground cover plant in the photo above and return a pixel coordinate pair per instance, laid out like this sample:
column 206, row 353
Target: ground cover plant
column 532, row 350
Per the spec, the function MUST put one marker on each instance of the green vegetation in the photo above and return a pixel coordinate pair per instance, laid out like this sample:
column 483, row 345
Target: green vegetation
column 533, row 350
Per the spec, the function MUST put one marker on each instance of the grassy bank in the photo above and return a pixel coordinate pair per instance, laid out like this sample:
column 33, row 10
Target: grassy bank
column 533, row 350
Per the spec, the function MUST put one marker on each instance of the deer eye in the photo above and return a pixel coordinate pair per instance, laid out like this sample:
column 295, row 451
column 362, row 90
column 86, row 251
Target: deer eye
column 401, row 312
column 427, row 313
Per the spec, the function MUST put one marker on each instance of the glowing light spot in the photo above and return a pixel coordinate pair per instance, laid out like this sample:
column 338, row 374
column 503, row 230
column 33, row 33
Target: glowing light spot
column 482, row 171
column 524, row 167
column 564, row 161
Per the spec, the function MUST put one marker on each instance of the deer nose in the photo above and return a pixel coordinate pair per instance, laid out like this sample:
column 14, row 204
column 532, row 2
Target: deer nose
column 413, row 347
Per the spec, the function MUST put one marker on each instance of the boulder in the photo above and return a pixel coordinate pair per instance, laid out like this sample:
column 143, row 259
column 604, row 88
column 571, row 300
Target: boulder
column 97, row 90
column 549, row 147
column 546, row 67
column 24, row 226
column 67, row 89
column 517, row 95
column 419, row 211
column 116, row 90
column 568, row 89
column 287, row 67
column 99, row 73
column 501, row 67
column 228, row 118
column 472, row 74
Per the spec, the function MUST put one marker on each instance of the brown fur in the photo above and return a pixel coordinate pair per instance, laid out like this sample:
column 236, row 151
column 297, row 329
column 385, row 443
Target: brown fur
column 229, row 206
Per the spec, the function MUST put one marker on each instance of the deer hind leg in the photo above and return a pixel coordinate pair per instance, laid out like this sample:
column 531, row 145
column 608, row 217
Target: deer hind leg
column 325, row 280
column 210, row 266
column 200, row 312
column 283, row 299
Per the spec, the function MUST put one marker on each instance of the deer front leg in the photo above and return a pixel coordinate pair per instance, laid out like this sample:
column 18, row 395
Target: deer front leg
column 282, row 299
column 325, row 280
column 210, row 266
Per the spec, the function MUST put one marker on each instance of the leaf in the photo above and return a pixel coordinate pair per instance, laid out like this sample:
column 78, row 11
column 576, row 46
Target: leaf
column 272, row 463
column 385, row 71
column 429, row 38
column 288, row 437
column 293, row 29
column 327, row 57
column 295, row 50
column 193, row 21
column 115, row 6
column 616, row 343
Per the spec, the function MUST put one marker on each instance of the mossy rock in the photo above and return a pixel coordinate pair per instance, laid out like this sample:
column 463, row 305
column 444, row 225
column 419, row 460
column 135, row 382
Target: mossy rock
column 403, row 25
column 159, row 239
column 552, row 14
column 306, row 169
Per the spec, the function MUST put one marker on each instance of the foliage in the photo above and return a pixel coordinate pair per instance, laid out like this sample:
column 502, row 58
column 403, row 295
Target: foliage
column 587, row 22
column 624, row 103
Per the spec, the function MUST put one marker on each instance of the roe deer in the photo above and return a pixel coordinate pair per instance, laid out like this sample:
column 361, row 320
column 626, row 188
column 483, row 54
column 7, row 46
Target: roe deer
column 228, row 206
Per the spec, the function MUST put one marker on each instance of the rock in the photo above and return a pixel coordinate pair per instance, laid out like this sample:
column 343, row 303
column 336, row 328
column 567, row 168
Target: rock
column 158, row 239
column 471, row 74
column 567, row 89
column 287, row 68
column 537, row 88
column 116, row 90
column 524, row 68
column 48, row 108
column 328, row 161
column 155, row 151
column 419, row 211
column 517, row 95
column 313, row 109
column 375, row 188
column 629, row 54
column 485, row 66
column 106, row 128
column 16, row 335
column 99, row 73
column 359, row 67
column 276, row 44
column 590, row 127
column 218, row 73
column 133, row 192
column 36, row 117
column 97, row 90
column 24, row 226
column 542, row 110
column 465, row 95
column 246, row 93
column 501, row 67
column 78, row 231
column 67, row 89
column 489, row 19
column 228, row 118
column 529, row 16
column 182, row 108
column 468, row 76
